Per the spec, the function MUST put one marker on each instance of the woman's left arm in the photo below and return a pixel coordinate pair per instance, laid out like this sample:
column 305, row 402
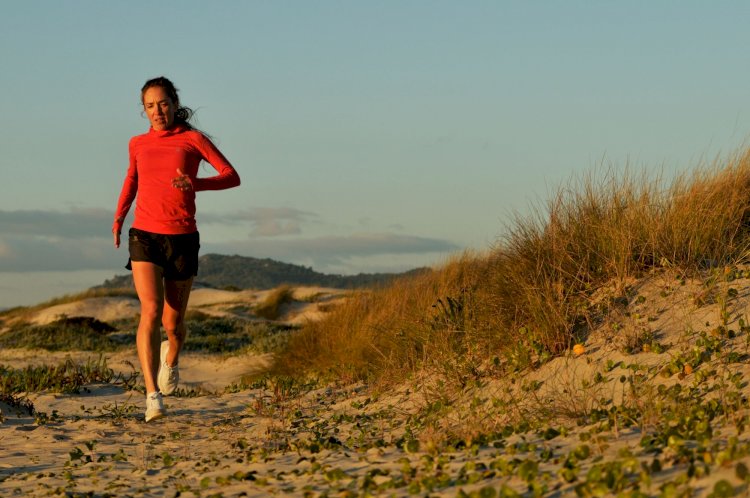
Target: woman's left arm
column 227, row 177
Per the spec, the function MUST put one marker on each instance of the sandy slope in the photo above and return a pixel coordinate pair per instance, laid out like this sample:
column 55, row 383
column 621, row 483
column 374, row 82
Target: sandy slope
column 106, row 309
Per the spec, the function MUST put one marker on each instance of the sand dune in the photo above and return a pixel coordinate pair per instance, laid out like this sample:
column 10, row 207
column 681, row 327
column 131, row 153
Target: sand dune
column 211, row 301
column 106, row 309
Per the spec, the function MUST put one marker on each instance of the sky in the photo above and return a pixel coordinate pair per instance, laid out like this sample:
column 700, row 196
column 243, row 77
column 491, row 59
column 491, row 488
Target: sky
column 369, row 136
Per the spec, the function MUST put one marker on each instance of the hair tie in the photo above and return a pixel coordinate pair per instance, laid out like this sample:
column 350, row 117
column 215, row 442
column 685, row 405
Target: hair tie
column 182, row 114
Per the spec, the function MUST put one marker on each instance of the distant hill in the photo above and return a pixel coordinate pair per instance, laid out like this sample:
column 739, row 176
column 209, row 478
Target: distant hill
column 219, row 271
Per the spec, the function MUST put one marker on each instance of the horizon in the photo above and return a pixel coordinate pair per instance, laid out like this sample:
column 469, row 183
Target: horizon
column 369, row 138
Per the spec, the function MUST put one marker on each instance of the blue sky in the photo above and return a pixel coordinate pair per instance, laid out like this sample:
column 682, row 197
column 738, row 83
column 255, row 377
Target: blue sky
column 370, row 136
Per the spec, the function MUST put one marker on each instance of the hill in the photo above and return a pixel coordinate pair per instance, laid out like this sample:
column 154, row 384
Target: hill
column 242, row 272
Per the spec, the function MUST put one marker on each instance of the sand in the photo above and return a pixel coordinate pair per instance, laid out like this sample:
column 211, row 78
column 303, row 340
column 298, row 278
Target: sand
column 353, row 440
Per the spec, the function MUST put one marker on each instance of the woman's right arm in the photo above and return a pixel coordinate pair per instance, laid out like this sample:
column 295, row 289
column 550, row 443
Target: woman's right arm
column 127, row 195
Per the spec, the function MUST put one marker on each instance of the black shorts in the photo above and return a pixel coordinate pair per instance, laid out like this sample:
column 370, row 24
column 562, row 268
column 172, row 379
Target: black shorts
column 177, row 255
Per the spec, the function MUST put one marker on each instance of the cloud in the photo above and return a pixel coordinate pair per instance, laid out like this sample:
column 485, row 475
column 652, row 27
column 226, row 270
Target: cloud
column 71, row 224
column 35, row 240
column 274, row 228
column 266, row 222
column 79, row 222
column 5, row 250
column 80, row 239
column 365, row 221
column 48, row 253
column 328, row 252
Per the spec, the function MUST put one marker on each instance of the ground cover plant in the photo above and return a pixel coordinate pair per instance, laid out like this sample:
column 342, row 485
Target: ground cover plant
column 65, row 334
column 233, row 335
column 66, row 377
column 281, row 436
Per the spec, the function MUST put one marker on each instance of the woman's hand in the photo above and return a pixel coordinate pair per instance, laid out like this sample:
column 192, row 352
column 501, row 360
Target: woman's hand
column 182, row 181
column 116, row 235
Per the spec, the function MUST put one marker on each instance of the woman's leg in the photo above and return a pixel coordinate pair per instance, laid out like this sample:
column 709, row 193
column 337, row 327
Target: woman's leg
column 176, row 295
column 149, row 285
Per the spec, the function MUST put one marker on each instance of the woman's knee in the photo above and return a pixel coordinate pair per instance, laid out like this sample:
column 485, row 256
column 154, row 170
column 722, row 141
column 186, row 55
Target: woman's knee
column 178, row 333
column 174, row 323
column 151, row 312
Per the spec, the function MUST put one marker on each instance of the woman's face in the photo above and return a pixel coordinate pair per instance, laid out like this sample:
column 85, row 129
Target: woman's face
column 159, row 108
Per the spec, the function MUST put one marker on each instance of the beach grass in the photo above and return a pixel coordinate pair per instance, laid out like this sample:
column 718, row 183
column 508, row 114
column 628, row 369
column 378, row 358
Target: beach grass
column 553, row 273
column 270, row 308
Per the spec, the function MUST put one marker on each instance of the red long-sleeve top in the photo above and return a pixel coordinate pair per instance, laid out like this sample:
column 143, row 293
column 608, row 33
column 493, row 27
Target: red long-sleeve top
column 155, row 158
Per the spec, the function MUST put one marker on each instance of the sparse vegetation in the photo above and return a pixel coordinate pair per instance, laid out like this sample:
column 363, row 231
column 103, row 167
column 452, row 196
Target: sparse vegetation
column 207, row 334
column 67, row 377
column 232, row 335
column 65, row 334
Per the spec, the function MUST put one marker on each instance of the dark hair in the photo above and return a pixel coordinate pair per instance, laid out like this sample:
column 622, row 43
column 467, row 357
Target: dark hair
column 182, row 114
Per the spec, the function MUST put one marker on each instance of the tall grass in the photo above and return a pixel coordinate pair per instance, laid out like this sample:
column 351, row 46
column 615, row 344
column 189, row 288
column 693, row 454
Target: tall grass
column 532, row 292
column 395, row 327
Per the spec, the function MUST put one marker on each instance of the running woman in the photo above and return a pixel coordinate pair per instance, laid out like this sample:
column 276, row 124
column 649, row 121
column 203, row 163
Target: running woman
column 163, row 242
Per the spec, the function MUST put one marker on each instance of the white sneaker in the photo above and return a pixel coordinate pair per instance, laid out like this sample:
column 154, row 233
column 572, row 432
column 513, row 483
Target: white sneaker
column 154, row 406
column 168, row 377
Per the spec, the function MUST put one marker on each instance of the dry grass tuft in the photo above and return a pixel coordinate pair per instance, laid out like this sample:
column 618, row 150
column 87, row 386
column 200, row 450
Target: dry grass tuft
column 272, row 305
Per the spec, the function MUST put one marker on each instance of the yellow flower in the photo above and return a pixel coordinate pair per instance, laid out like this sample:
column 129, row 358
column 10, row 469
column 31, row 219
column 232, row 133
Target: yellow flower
column 578, row 349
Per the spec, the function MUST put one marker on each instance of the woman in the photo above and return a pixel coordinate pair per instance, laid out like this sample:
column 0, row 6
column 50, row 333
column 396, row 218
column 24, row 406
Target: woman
column 163, row 241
